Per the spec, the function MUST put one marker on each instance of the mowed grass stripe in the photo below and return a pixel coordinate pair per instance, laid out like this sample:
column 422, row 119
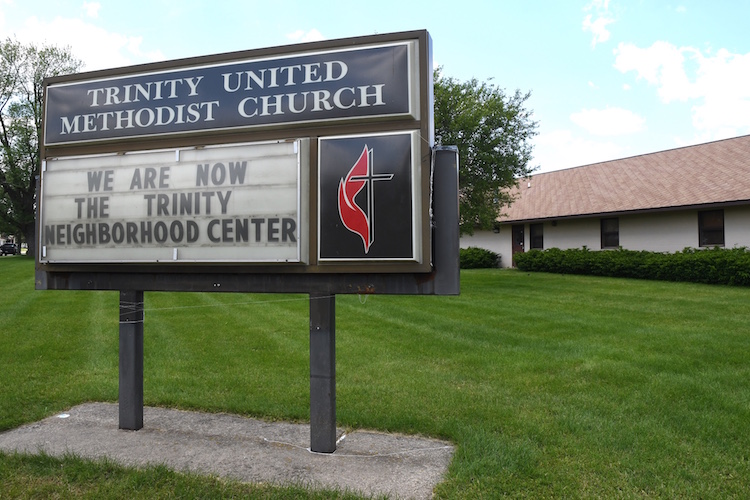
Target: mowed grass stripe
column 551, row 386
column 256, row 341
column 59, row 345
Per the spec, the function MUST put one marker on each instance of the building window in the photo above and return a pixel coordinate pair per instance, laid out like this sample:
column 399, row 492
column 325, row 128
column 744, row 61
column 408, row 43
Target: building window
column 611, row 233
column 711, row 228
column 536, row 236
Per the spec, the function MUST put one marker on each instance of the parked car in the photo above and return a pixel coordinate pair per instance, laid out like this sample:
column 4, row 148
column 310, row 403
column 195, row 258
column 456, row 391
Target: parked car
column 9, row 248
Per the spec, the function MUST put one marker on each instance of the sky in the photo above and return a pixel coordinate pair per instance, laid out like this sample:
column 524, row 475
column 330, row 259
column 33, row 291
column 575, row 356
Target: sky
column 608, row 79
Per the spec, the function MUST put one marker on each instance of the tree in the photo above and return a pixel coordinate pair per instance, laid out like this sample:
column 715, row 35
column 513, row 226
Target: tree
column 22, row 71
column 493, row 133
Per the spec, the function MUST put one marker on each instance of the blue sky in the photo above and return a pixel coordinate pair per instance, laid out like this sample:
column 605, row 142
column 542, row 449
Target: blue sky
column 608, row 79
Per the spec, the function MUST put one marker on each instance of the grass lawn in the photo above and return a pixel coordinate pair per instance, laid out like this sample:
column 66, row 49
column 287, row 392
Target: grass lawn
column 550, row 386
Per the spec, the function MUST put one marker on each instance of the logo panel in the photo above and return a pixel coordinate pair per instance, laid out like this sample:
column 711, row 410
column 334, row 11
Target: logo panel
column 366, row 209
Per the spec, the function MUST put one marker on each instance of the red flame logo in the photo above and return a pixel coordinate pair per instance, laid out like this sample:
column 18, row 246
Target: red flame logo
column 355, row 219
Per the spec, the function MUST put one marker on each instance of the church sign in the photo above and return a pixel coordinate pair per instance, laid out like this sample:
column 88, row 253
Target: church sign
column 313, row 159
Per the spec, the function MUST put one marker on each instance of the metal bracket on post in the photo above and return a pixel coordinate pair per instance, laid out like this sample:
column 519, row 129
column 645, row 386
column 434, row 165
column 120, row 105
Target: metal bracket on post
column 322, row 373
column 131, row 360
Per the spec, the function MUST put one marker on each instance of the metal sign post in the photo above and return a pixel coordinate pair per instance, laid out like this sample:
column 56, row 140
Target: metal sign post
column 131, row 360
column 322, row 373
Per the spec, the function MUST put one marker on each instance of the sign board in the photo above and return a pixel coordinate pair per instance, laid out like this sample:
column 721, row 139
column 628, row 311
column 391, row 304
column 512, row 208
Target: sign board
column 351, row 83
column 227, row 203
column 281, row 169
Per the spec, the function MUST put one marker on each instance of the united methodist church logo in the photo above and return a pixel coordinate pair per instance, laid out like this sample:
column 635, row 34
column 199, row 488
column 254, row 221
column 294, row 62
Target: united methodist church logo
column 365, row 198
column 361, row 176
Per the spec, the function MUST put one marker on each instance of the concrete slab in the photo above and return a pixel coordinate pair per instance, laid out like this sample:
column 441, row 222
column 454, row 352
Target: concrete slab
column 245, row 449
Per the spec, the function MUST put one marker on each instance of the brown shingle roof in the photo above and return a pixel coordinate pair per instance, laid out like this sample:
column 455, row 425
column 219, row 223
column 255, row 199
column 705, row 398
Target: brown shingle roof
column 715, row 172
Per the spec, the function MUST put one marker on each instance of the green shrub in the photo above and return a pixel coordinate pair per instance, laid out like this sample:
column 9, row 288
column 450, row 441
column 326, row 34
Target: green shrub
column 478, row 258
column 713, row 266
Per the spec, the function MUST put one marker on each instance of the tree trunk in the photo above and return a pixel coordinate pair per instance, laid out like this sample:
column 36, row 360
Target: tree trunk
column 30, row 237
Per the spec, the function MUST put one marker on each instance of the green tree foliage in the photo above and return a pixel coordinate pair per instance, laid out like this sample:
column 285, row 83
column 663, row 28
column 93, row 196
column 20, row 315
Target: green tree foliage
column 493, row 133
column 23, row 69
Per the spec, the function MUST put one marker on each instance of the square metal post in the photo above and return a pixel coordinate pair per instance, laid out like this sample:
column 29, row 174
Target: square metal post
column 322, row 373
column 131, row 360
column 446, row 219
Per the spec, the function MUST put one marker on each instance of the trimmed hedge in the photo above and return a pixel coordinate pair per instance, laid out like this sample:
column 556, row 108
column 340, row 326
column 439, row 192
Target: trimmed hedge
column 714, row 266
column 478, row 258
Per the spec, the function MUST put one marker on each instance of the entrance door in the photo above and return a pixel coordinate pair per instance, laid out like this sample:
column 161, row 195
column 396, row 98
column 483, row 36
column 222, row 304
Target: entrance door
column 517, row 234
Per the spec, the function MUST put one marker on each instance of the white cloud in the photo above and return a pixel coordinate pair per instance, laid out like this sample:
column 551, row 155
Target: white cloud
column 3, row 5
column 562, row 149
column 597, row 25
column 598, row 28
column 609, row 121
column 91, row 9
column 597, row 5
column 717, row 86
column 662, row 65
column 98, row 48
column 301, row 36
